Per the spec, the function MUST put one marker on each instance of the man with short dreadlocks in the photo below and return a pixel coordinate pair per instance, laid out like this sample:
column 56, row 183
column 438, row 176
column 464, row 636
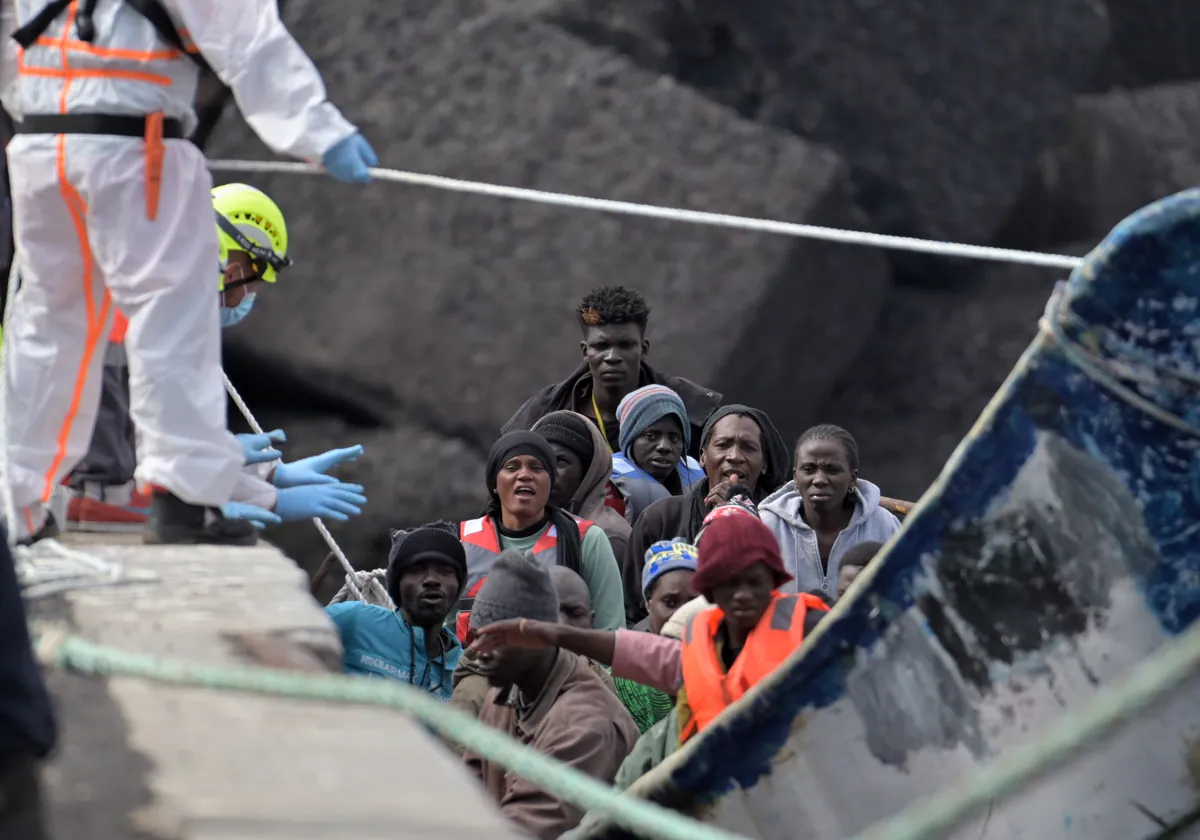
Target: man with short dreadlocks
column 614, row 347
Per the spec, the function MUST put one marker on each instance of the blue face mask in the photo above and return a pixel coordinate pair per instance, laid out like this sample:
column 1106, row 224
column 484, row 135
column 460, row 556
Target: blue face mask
column 234, row 315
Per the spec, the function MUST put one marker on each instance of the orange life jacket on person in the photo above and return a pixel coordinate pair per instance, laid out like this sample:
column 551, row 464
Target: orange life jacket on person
column 709, row 689
column 481, row 541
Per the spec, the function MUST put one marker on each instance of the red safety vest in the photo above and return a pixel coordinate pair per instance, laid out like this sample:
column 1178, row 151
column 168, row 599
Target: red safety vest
column 481, row 541
column 709, row 689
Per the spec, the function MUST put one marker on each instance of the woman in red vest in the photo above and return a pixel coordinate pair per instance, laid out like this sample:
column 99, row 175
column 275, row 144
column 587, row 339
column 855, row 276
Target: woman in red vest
column 520, row 476
column 725, row 650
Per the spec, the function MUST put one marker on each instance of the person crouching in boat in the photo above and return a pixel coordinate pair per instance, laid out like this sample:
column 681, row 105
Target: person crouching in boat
column 725, row 650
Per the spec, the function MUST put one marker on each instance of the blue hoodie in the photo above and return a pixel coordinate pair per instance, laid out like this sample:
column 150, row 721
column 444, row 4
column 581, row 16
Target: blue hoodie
column 781, row 513
column 378, row 642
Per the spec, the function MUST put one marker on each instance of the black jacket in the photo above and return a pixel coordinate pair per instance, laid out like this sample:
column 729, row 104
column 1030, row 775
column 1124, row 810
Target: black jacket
column 576, row 390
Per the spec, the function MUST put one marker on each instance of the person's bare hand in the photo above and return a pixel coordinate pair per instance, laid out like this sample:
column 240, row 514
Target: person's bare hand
column 720, row 494
column 514, row 632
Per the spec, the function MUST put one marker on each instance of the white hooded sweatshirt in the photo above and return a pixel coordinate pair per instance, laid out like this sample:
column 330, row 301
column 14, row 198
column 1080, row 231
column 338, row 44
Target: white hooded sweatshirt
column 798, row 542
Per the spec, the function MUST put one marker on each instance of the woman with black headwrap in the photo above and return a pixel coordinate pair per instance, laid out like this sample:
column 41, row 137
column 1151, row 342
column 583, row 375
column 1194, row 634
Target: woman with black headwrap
column 520, row 479
column 738, row 446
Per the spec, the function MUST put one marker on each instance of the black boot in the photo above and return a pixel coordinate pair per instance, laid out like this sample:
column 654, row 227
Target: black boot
column 20, row 799
column 48, row 531
column 174, row 522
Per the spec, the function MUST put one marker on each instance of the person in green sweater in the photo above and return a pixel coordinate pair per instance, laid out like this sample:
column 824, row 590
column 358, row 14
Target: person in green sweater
column 520, row 477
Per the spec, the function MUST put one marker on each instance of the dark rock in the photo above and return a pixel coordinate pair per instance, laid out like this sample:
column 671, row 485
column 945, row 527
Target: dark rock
column 447, row 310
column 410, row 477
column 1153, row 41
column 940, row 107
column 931, row 366
column 1123, row 150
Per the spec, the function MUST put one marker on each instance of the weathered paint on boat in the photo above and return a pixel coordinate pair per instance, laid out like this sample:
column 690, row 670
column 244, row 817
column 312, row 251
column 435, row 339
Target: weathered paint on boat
column 1059, row 548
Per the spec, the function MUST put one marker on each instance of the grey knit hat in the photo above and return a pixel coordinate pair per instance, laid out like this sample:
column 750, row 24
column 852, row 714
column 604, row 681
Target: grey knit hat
column 515, row 587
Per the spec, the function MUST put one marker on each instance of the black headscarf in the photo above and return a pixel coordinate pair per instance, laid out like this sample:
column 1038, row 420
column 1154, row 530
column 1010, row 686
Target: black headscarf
column 777, row 463
column 570, row 546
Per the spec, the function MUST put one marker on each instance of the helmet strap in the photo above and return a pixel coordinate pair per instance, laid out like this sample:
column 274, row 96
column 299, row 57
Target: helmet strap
column 253, row 249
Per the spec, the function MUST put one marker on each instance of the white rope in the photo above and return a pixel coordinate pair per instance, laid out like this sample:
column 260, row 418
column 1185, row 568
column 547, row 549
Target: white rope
column 695, row 217
column 351, row 574
column 47, row 567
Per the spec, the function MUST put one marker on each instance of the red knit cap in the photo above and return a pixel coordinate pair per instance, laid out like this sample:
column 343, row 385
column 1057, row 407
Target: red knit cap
column 732, row 544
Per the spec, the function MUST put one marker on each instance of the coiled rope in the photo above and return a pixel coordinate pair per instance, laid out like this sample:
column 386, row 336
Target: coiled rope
column 352, row 576
column 674, row 214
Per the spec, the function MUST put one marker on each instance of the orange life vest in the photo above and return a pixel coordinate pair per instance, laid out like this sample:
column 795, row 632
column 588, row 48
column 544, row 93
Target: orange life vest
column 482, row 543
column 709, row 689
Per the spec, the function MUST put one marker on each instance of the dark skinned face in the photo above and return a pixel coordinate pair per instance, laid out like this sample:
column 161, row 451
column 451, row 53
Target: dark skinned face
column 744, row 598
column 568, row 475
column 238, row 267
column 735, row 447
column 659, row 449
column 523, row 486
column 846, row 576
column 505, row 666
column 428, row 589
column 823, row 475
column 614, row 354
column 575, row 610
column 667, row 594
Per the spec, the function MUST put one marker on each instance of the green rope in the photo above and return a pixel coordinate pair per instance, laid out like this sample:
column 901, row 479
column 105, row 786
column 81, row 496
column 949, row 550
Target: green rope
column 56, row 649
column 1148, row 682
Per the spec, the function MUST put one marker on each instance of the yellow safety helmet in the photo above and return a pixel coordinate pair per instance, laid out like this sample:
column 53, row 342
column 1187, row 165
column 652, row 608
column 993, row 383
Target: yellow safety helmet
column 248, row 220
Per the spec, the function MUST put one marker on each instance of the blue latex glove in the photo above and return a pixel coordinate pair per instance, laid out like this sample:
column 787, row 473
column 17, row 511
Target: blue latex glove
column 257, row 449
column 320, row 501
column 258, row 517
column 312, row 470
column 350, row 159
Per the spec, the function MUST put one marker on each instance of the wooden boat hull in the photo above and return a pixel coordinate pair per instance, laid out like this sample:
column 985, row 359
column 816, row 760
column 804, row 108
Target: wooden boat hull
column 1059, row 548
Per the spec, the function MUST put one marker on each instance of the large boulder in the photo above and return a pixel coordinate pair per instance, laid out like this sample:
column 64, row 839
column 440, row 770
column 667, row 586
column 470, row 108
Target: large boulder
column 1153, row 41
column 941, row 107
column 932, row 364
column 421, row 305
column 1123, row 150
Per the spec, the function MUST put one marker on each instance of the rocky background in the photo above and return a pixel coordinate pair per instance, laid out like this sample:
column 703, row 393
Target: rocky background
column 415, row 321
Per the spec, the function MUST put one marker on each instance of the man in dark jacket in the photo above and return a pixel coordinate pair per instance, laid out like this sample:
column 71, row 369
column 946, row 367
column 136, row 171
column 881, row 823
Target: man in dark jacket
column 613, row 320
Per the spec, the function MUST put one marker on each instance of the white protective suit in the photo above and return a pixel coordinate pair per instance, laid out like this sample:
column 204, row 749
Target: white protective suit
column 85, row 241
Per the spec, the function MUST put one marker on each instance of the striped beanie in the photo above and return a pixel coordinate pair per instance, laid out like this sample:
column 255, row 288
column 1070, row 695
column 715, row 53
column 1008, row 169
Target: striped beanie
column 641, row 409
column 667, row 556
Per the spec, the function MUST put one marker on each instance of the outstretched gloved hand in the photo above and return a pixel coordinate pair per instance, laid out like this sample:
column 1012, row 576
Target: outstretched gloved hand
column 350, row 160
column 258, row 517
column 257, row 449
column 312, row 470
column 320, row 501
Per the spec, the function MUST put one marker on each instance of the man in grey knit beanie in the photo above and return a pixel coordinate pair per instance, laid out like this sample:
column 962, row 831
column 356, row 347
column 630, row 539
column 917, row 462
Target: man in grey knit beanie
column 516, row 587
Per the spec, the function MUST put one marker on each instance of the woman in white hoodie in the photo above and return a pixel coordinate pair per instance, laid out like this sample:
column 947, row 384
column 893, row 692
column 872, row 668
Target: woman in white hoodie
column 824, row 510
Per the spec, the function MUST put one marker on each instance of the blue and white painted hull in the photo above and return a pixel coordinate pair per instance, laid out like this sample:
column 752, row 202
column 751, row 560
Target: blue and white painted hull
column 1059, row 549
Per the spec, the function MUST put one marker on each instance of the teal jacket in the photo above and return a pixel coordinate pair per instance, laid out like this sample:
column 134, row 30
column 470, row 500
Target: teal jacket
column 378, row 642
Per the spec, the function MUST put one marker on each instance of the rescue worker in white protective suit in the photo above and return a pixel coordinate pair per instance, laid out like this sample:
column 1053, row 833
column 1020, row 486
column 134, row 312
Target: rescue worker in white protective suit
column 112, row 208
